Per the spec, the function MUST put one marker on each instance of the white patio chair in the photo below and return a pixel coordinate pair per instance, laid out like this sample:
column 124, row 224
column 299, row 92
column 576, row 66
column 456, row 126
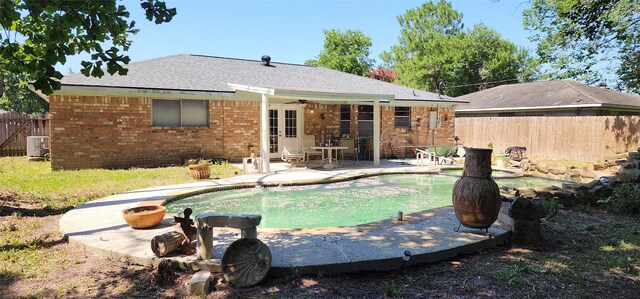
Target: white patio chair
column 307, row 142
column 422, row 156
column 291, row 158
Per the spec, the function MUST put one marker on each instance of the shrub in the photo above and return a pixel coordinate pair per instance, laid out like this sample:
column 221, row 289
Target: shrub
column 551, row 206
column 625, row 199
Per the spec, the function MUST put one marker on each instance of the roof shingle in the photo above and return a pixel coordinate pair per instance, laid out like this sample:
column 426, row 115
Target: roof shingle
column 557, row 93
column 209, row 73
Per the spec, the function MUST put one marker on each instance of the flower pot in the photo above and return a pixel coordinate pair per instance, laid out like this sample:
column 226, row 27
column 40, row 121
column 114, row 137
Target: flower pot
column 144, row 216
column 200, row 171
column 476, row 197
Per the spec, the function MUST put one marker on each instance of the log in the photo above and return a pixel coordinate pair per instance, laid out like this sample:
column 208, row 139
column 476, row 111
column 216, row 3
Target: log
column 166, row 243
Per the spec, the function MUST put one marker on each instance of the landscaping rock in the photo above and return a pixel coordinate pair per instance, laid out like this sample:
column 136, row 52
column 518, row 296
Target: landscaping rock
column 602, row 191
column 525, row 164
column 634, row 156
column 562, row 195
column 574, row 186
column 574, row 174
column 631, row 175
column 557, row 170
column 543, row 194
column 542, row 167
column 199, row 283
column 526, row 193
column 587, row 172
column 503, row 216
column 600, row 166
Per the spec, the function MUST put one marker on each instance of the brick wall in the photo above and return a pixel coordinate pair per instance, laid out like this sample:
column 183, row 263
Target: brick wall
column 116, row 132
column 418, row 134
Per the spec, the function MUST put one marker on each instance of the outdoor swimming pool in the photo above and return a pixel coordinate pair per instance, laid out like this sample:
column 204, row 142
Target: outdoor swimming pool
column 345, row 203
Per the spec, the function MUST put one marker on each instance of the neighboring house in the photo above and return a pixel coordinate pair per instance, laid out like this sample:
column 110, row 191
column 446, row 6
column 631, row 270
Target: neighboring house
column 171, row 108
column 558, row 119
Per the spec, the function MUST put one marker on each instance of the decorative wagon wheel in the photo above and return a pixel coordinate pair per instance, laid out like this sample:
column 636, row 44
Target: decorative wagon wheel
column 246, row 262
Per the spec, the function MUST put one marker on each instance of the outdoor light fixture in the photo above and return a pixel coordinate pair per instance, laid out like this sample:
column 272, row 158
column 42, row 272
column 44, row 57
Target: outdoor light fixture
column 406, row 256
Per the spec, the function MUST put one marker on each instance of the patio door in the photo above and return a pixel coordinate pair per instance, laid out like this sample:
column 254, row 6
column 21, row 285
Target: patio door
column 285, row 129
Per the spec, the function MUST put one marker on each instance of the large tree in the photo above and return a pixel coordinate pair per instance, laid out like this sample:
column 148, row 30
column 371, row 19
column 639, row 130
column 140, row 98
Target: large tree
column 346, row 51
column 435, row 53
column 17, row 96
column 588, row 39
column 35, row 35
column 488, row 61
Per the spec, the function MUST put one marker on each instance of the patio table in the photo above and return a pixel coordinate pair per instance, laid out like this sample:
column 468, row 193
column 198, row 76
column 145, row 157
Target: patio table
column 329, row 149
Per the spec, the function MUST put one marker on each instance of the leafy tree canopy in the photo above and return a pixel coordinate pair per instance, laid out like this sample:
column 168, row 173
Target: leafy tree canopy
column 435, row 53
column 383, row 74
column 36, row 35
column 585, row 39
column 17, row 96
column 346, row 51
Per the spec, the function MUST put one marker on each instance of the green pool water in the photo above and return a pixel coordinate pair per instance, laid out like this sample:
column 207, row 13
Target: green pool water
column 337, row 204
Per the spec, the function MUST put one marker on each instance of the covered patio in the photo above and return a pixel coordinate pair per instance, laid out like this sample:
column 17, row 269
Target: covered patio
column 297, row 99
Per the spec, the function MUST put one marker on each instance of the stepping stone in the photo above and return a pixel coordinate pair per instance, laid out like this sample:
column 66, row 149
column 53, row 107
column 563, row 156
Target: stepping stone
column 199, row 283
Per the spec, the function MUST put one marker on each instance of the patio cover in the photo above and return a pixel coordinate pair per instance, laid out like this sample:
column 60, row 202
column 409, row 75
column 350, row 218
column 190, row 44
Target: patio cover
column 326, row 97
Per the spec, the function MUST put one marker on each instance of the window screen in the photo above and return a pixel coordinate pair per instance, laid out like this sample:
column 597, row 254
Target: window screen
column 402, row 117
column 175, row 113
column 195, row 113
column 345, row 120
column 365, row 121
column 166, row 113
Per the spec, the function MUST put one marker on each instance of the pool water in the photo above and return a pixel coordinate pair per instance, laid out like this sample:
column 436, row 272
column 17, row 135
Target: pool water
column 346, row 203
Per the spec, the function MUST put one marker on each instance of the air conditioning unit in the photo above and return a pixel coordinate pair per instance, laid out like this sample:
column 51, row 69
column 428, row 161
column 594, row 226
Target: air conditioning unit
column 37, row 146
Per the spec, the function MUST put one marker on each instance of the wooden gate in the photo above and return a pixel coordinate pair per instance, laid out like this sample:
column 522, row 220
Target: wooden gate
column 16, row 127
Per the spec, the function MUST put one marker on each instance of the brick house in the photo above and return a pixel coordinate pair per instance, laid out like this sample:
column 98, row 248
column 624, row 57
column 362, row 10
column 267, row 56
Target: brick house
column 170, row 108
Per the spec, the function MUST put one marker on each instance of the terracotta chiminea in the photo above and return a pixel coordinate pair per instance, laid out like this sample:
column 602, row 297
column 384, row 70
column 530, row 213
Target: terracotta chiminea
column 476, row 197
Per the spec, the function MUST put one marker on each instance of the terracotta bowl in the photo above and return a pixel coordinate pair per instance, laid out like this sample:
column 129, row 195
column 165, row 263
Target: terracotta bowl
column 144, row 217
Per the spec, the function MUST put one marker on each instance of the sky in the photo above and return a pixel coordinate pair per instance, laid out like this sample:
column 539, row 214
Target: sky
column 292, row 31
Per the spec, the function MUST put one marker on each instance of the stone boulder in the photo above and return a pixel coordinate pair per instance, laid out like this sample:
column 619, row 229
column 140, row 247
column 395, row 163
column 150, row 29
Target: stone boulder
column 600, row 166
column 542, row 167
column 557, row 170
column 587, row 172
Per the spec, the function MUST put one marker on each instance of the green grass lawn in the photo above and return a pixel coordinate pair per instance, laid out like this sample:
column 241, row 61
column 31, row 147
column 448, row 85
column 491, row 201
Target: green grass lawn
column 36, row 183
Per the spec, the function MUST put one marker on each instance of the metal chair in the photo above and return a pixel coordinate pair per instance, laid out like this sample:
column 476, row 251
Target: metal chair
column 291, row 158
column 351, row 151
column 307, row 142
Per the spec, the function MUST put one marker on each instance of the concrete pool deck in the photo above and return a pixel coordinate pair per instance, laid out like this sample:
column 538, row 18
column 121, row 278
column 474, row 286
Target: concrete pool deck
column 99, row 227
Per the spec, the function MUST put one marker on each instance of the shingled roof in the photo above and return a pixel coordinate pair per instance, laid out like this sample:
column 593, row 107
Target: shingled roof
column 557, row 94
column 198, row 73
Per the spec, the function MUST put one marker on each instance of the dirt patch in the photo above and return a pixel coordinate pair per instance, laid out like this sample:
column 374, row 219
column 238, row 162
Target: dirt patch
column 587, row 253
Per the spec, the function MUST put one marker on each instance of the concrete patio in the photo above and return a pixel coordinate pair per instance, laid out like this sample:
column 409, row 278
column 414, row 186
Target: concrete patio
column 99, row 227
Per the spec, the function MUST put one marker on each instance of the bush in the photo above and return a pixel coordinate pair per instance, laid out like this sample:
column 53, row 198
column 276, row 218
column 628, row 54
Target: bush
column 625, row 199
column 551, row 207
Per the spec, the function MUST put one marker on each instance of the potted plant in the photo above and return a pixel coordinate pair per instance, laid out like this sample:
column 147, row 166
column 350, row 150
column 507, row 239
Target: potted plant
column 144, row 216
column 200, row 171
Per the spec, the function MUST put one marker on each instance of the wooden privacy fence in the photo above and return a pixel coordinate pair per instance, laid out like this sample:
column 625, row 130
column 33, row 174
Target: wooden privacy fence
column 15, row 127
column 581, row 138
